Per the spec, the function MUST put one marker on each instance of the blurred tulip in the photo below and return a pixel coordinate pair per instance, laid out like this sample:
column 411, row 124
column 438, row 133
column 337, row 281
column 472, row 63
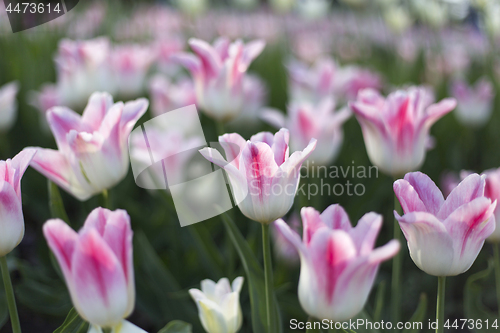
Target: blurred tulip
column 338, row 262
column 92, row 148
column 167, row 96
column 219, row 305
column 396, row 128
column 46, row 98
column 475, row 103
column 283, row 248
column 98, row 267
column 448, row 181
column 130, row 65
column 254, row 94
column 219, row 72
column 165, row 48
column 82, row 68
column 444, row 236
column 263, row 177
column 351, row 80
column 312, row 84
column 11, row 212
column 8, row 105
column 306, row 121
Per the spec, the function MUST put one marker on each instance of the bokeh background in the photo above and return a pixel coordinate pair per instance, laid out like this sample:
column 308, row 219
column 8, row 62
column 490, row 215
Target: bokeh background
column 429, row 42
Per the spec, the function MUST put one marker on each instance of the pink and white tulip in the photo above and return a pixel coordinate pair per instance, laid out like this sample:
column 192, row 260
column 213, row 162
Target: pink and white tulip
column 312, row 84
column 284, row 250
column 167, row 96
column 352, row 79
column 219, row 73
column 492, row 191
column 11, row 212
column 219, row 305
column 98, row 267
column 8, row 105
column 307, row 121
column 338, row 262
column 130, row 64
column 444, row 236
column 92, row 148
column 396, row 128
column 475, row 103
column 263, row 177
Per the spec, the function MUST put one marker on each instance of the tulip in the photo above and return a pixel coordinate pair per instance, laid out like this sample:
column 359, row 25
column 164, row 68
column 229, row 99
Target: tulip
column 8, row 105
column 254, row 94
column 167, row 96
column 219, row 72
column 474, row 105
column 444, row 236
column 12, row 220
column 338, row 263
column 307, row 121
column 92, row 148
column 283, row 248
column 263, row 177
column 396, row 128
column 352, row 79
column 82, row 68
column 492, row 191
column 130, row 65
column 98, row 268
column 312, row 84
column 219, row 305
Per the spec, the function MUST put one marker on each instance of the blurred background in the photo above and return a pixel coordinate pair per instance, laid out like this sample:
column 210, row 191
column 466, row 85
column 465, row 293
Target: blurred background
column 447, row 45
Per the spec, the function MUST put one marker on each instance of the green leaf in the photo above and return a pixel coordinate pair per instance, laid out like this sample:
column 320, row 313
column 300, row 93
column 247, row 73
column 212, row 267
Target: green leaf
column 255, row 278
column 364, row 329
column 379, row 301
column 73, row 324
column 56, row 205
column 418, row 315
column 158, row 292
column 177, row 326
column 473, row 304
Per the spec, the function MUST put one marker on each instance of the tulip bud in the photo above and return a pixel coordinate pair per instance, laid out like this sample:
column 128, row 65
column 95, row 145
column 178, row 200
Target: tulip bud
column 444, row 236
column 264, row 178
column 98, row 268
column 338, row 263
column 11, row 212
column 219, row 305
column 92, row 150
column 396, row 128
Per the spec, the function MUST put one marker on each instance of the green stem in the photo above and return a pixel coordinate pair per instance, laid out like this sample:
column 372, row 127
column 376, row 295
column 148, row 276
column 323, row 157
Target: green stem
column 105, row 199
column 268, row 274
column 9, row 293
column 496, row 253
column 220, row 128
column 396, row 270
column 440, row 304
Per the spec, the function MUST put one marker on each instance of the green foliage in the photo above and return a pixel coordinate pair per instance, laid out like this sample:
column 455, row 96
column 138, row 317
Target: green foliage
column 73, row 324
column 419, row 315
column 177, row 326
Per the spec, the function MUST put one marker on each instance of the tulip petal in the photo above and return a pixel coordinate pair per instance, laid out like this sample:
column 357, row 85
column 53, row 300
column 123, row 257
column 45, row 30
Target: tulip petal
column 20, row 163
column 273, row 117
column 365, row 233
column 62, row 120
column 127, row 327
column 426, row 237
column 230, row 304
column 11, row 217
column 250, row 52
column 408, row 197
column 311, row 222
column 470, row 188
column 469, row 226
column 280, row 146
column 336, row 217
column 96, row 109
column 61, row 240
column 132, row 112
column 438, row 110
column 292, row 236
column 266, row 137
column 211, row 316
column 54, row 165
column 233, row 145
column 100, row 287
column 237, row 284
column 293, row 163
column 191, row 62
column 427, row 191
column 208, row 56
